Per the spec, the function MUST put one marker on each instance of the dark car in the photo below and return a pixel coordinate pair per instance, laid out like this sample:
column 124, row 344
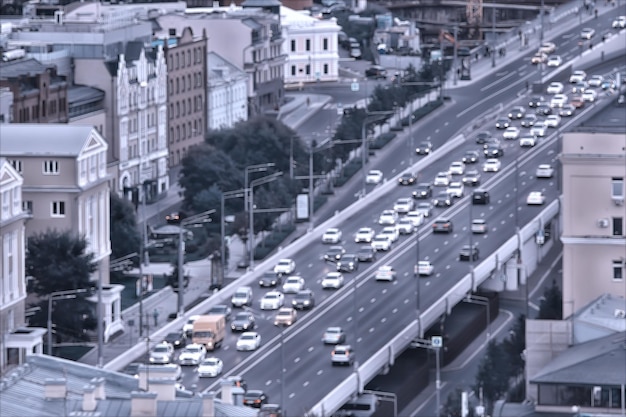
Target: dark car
column 535, row 100
column 424, row 148
column 471, row 157
column 222, row 309
column 443, row 226
column 376, row 72
column 408, row 178
column 270, row 279
column 172, row 281
column 442, row 199
column 517, row 112
column 243, row 322
column 543, row 110
column 529, row 120
column 480, row 197
column 176, row 339
column 237, row 381
column 503, row 123
column 334, row 253
column 423, row 190
column 366, row 254
column 303, row 300
column 468, row 253
column 471, row 178
column 491, row 141
column 175, row 217
column 348, row 263
column 254, row 398
column 482, row 137
column 492, row 151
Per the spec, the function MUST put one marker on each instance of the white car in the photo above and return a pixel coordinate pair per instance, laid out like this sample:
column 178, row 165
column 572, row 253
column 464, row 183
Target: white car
column 559, row 100
column 456, row 189
column 332, row 280
column 332, row 235
column 544, row 171
column 553, row 120
column 417, row 217
column 293, row 284
column 381, row 242
column 492, row 165
column 457, row 168
column 388, row 217
column 595, row 80
column 249, row 341
column 385, row 273
column 554, row 61
column 479, row 226
column 192, row 354
column 442, row 179
column 587, row 33
column 535, row 198
column 422, row 210
column 539, row 130
column 273, row 300
column 391, row 232
column 364, row 234
column 188, row 326
column 285, row 267
column 547, row 47
column 527, row 141
column 162, row 353
column 619, row 22
column 210, row 367
column 405, row 226
column 403, row 205
column 589, row 96
column 511, row 133
column 425, row 268
column 577, row 77
column 374, row 177
column 555, row 87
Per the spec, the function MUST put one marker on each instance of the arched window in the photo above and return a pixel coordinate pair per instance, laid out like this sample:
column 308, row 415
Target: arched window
column 171, row 135
column 184, row 132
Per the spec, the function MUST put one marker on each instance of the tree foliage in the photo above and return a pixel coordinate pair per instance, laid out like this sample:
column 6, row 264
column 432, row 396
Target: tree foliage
column 514, row 346
column 58, row 261
column 551, row 306
column 493, row 374
column 125, row 236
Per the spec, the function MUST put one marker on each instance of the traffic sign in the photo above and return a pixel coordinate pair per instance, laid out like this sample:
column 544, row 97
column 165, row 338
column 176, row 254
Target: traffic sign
column 354, row 86
column 436, row 341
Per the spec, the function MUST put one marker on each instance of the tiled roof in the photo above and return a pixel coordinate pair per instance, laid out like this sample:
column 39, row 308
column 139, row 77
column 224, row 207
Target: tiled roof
column 13, row 69
column 43, row 139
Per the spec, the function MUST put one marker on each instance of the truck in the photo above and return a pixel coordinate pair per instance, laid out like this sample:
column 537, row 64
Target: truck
column 209, row 330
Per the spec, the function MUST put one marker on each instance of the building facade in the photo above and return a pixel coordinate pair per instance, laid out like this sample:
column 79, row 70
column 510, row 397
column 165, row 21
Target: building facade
column 311, row 47
column 6, row 105
column 15, row 341
column 185, row 55
column 594, row 244
column 227, row 102
column 86, row 107
column 39, row 94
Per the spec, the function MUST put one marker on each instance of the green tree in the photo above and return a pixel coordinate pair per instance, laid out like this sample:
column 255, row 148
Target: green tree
column 551, row 306
column 493, row 374
column 452, row 407
column 58, row 261
column 125, row 235
column 514, row 346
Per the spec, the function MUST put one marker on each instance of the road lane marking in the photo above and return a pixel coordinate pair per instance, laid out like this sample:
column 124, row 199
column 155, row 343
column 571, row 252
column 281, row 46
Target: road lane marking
column 372, row 300
column 296, row 360
column 320, row 372
column 383, row 320
column 305, row 384
column 268, row 382
column 311, row 348
column 394, row 311
column 372, row 329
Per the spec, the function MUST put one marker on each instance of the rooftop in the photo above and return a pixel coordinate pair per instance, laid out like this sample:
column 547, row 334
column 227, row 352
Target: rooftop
column 60, row 140
column 21, row 67
column 607, row 116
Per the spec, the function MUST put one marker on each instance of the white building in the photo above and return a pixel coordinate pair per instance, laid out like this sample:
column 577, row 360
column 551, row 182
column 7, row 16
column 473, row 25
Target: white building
column 6, row 105
column 311, row 47
column 227, row 101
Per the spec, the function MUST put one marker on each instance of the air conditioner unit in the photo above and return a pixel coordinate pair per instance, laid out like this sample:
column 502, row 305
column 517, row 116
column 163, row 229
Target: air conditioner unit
column 618, row 201
column 619, row 313
column 603, row 223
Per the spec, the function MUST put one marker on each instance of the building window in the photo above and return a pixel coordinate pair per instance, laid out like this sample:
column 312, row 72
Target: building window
column 325, row 44
column 325, row 68
column 51, row 167
column 618, row 270
column 618, row 226
column 617, row 188
column 307, row 45
column 17, row 164
column 57, row 209
column 308, row 69
column 293, row 45
column 293, row 70
column 27, row 206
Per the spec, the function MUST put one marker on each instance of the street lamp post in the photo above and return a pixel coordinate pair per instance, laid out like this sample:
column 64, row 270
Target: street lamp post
column 247, row 205
column 435, row 343
column 483, row 301
column 493, row 33
column 225, row 196
column 59, row 295
column 254, row 183
column 121, row 264
column 365, row 148
column 198, row 218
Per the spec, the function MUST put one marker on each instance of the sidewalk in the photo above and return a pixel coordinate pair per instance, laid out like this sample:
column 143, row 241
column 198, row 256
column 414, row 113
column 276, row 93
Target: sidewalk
column 301, row 107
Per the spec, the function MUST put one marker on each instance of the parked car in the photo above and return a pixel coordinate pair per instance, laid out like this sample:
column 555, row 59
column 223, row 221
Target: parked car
column 376, row 72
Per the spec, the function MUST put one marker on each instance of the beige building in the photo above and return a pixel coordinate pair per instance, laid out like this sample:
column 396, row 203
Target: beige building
column 594, row 245
column 66, row 187
column 16, row 341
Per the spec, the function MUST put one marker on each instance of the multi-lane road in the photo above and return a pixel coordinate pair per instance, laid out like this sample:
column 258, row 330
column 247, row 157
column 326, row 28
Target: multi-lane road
column 374, row 312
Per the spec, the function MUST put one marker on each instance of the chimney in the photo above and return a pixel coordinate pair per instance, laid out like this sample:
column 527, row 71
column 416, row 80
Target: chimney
column 143, row 404
column 89, row 398
column 164, row 387
column 237, row 394
column 208, row 404
column 55, row 388
column 227, row 392
column 99, row 384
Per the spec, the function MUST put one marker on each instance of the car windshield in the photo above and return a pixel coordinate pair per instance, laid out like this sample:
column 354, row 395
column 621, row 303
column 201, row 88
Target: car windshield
column 210, row 362
column 293, row 281
column 193, row 349
column 271, row 296
column 160, row 349
column 241, row 316
column 247, row 337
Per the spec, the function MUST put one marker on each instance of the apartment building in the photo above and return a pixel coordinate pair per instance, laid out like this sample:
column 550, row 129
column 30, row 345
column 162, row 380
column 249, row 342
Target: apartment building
column 66, row 187
column 39, row 93
column 6, row 105
column 593, row 211
column 311, row 47
column 16, row 341
column 227, row 102
column 86, row 107
column 185, row 55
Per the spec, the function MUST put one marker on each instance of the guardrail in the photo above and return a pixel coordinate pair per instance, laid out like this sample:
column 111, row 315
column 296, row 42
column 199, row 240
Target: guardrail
column 386, row 355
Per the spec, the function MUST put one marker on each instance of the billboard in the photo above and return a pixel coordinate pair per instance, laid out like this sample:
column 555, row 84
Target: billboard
column 302, row 207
